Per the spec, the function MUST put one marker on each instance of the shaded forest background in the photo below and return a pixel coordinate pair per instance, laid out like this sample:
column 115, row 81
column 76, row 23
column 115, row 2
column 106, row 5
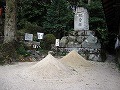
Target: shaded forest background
column 54, row 17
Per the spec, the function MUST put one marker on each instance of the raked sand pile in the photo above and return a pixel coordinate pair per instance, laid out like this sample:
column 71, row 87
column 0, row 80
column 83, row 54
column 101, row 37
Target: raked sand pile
column 73, row 59
column 49, row 68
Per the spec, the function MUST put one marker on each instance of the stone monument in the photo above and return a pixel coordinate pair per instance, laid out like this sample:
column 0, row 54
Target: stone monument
column 81, row 18
column 82, row 39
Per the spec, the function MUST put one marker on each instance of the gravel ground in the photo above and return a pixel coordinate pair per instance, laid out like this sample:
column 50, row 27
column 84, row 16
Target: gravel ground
column 101, row 76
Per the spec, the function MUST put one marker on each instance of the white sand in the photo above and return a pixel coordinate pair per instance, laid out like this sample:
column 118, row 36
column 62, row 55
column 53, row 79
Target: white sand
column 50, row 74
column 49, row 68
column 73, row 59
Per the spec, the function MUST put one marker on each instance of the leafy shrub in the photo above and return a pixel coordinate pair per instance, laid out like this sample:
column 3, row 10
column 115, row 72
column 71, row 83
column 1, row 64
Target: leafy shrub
column 47, row 41
column 21, row 32
column 21, row 49
column 28, row 27
column 32, row 27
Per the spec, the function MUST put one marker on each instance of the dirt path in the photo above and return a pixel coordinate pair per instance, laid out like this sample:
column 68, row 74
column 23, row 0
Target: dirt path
column 102, row 76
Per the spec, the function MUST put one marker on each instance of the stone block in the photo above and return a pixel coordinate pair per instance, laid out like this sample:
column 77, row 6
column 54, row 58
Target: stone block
column 94, row 57
column 71, row 38
column 63, row 41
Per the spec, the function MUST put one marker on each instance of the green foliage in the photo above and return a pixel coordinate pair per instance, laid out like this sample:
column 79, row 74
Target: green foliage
column 103, row 38
column 97, row 19
column 48, row 40
column 82, row 3
column 21, row 32
column 21, row 50
column 32, row 11
column 103, row 35
column 30, row 16
column 96, row 14
column 58, row 16
column 30, row 28
column 7, row 52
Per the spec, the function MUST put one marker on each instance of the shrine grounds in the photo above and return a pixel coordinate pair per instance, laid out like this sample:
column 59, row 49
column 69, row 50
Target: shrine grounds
column 29, row 75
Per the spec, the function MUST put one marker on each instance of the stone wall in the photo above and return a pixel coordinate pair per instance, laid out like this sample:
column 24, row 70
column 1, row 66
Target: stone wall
column 84, row 42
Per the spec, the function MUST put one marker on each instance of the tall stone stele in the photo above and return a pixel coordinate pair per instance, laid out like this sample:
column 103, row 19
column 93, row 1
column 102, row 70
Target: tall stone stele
column 81, row 19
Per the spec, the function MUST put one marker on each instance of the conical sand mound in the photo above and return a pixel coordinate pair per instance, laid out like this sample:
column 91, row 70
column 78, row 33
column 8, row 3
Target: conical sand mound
column 73, row 59
column 50, row 67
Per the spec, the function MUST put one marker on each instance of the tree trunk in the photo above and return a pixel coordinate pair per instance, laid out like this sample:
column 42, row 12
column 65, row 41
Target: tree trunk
column 10, row 21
